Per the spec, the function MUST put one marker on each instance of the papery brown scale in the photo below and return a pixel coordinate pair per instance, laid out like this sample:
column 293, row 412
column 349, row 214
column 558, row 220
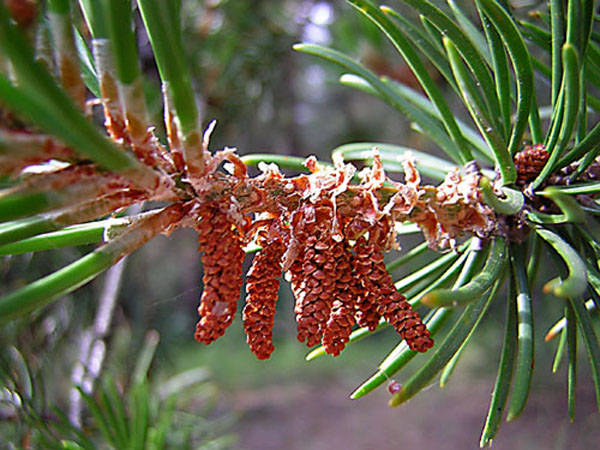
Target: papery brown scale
column 33, row 149
column 114, row 121
column 71, row 79
column 67, row 176
column 147, row 148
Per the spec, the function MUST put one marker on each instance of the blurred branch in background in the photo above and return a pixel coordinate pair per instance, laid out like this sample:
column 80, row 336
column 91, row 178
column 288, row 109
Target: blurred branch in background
column 92, row 347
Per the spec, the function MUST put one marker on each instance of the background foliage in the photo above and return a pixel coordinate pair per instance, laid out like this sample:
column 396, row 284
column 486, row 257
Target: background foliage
column 266, row 99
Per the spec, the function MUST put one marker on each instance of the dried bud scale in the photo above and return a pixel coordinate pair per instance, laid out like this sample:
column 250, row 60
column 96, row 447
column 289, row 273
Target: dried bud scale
column 454, row 208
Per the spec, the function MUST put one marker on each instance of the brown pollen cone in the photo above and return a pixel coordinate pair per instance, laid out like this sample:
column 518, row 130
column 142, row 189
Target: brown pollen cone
column 341, row 320
column 397, row 311
column 530, row 162
column 262, row 285
column 389, row 303
column 314, row 272
column 367, row 267
column 223, row 256
column 318, row 290
column 406, row 321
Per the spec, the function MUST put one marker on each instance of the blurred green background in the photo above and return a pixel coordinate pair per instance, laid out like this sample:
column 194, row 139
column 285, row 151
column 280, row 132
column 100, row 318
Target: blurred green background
column 269, row 99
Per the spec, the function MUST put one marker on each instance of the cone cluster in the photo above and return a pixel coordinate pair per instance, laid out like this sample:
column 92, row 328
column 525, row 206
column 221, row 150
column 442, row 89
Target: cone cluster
column 337, row 276
column 328, row 236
